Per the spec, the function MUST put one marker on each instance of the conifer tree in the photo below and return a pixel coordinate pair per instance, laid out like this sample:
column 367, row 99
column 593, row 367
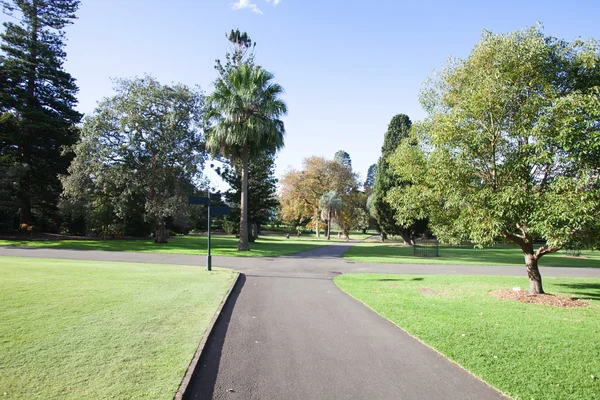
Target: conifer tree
column 39, row 95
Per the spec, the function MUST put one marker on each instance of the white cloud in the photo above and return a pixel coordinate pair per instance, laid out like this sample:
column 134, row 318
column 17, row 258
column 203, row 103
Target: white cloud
column 275, row 2
column 247, row 4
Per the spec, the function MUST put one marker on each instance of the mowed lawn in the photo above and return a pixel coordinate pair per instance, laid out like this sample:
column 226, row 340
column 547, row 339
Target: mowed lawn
column 527, row 351
column 394, row 253
column 100, row 330
column 265, row 246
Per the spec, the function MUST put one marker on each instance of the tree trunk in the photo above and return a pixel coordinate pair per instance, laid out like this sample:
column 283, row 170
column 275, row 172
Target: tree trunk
column 383, row 236
column 243, row 243
column 253, row 234
column 329, row 225
column 317, row 223
column 160, row 231
column 24, row 194
column 406, row 237
column 533, row 272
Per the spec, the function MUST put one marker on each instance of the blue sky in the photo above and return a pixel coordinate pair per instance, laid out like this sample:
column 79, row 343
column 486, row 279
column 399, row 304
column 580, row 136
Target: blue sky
column 347, row 66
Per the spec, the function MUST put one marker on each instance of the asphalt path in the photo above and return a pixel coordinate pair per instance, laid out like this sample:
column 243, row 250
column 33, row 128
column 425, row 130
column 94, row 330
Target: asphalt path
column 288, row 332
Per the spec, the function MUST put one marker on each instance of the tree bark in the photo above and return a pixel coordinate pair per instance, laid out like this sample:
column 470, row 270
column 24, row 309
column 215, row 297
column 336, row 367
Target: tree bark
column 160, row 231
column 243, row 243
column 317, row 224
column 383, row 236
column 329, row 224
column 525, row 242
column 406, row 237
column 533, row 272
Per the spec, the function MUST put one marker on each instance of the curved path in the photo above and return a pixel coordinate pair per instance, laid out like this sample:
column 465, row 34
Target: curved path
column 288, row 332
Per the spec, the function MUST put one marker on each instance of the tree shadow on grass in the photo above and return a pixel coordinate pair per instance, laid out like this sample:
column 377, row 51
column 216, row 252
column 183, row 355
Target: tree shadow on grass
column 204, row 378
column 583, row 291
column 396, row 279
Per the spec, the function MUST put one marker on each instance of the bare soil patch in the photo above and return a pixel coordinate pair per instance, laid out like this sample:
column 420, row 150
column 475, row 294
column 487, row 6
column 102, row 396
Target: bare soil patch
column 522, row 296
column 430, row 292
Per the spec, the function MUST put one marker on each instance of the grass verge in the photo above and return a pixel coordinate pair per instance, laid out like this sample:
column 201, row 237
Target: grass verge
column 465, row 255
column 75, row 329
column 265, row 246
column 527, row 351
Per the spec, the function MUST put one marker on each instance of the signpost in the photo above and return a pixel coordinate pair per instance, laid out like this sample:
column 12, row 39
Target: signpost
column 218, row 211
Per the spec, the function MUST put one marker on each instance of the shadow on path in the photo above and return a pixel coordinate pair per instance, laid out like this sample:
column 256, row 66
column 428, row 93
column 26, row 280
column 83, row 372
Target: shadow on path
column 202, row 384
column 333, row 250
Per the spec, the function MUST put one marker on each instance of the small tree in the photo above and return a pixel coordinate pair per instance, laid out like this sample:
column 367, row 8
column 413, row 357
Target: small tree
column 331, row 203
column 510, row 147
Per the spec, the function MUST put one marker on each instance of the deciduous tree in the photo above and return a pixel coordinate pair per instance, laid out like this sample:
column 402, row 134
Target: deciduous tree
column 510, row 148
column 144, row 141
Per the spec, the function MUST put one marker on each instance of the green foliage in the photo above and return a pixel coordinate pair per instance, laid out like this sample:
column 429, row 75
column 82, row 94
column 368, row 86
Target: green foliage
column 370, row 180
column 343, row 158
column 37, row 100
column 262, row 188
column 510, row 145
column 386, row 180
column 527, row 351
column 138, row 154
column 230, row 226
column 245, row 109
column 497, row 155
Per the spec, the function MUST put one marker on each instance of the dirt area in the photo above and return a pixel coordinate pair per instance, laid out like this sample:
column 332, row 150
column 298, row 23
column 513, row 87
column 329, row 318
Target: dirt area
column 430, row 292
column 522, row 296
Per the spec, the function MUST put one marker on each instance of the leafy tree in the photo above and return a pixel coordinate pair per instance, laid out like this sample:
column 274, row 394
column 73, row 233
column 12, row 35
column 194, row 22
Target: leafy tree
column 246, row 108
column 343, row 158
column 510, row 148
column 301, row 191
column 354, row 214
column 331, row 203
column 145, row 141
column 262, row 188
column 385, row 180
column 40, row 96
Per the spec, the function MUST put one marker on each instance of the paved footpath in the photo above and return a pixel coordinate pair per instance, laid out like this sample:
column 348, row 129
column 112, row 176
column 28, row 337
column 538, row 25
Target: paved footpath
column 288, row 332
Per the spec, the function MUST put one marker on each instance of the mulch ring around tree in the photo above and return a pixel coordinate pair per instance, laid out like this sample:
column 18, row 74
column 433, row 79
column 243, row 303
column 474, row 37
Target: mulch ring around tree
column 522, row 296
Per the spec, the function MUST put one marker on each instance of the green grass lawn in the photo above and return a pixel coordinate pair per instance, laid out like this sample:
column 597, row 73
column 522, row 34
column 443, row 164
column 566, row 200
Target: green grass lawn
column 393, row 253
column 526, row 351
column 265, row 246
column 99, row 330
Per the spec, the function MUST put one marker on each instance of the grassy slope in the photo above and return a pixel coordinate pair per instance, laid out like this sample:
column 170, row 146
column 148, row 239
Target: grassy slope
column 74, row 329
column 527, row 351
column 266, row 246
column 465, row 255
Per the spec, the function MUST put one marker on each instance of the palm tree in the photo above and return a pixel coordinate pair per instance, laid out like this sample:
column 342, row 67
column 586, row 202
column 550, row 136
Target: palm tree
column 331, row 203
column 245, row 108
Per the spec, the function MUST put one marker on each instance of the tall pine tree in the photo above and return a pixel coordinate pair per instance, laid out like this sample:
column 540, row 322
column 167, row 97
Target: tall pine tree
column 39, row 96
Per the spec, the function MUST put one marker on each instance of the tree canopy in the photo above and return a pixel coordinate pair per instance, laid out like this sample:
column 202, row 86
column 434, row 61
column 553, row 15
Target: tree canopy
column 39, row 96
column 510, row 148
column 386, row 180
column 246, row 108
column 145, row 142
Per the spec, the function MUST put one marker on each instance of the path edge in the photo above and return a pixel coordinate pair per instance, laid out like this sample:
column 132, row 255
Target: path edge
column 416, row 338
column 181, row 392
